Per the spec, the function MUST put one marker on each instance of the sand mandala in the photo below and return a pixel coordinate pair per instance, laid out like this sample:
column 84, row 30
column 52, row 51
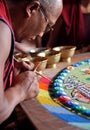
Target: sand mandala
column 71, row 88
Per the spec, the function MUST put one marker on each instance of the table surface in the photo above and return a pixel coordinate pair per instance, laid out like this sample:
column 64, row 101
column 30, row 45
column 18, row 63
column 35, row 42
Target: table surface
column 38, row 115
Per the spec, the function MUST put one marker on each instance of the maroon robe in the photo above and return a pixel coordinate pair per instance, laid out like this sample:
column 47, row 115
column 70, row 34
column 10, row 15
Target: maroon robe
column 9, row 65
column 70, row 27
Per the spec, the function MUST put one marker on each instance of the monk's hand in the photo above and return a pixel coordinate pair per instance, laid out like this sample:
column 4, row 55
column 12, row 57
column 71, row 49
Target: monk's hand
column 26, row 84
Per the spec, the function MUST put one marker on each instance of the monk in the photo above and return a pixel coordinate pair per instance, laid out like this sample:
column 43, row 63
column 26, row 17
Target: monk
column 21, row 19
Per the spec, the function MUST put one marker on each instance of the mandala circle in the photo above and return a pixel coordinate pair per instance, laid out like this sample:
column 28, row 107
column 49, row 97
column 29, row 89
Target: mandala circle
column 71, row 88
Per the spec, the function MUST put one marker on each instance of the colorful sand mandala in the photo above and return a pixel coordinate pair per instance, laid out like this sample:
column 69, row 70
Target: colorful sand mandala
column 71, row 88
column 67, row 96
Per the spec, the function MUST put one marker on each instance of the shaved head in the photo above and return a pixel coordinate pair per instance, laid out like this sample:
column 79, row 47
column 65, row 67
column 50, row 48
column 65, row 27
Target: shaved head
column 52, row 7
column 31, row 11
column 51, row 4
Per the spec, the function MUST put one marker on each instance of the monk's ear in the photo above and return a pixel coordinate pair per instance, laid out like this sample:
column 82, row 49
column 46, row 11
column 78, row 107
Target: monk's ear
column 32, row 7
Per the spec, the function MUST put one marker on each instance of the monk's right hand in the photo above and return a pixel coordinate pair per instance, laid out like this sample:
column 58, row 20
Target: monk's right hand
column 27, row 84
